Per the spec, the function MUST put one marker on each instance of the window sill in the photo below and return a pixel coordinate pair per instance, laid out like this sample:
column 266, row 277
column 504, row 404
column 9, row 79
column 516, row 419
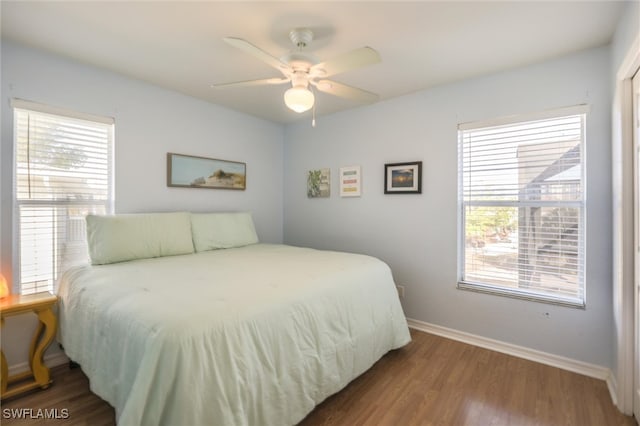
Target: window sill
column 515, row 294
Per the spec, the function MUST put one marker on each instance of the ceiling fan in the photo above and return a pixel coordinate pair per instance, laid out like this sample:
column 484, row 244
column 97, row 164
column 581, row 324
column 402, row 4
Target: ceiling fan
column 305, row 71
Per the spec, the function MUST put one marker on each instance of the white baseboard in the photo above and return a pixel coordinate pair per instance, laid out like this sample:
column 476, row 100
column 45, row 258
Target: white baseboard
column 52, row 360
column 580, row 367
column 612, row 385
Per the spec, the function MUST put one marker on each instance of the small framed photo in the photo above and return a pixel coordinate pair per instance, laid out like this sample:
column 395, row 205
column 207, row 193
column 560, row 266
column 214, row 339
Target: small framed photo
column 189, row 171
column 319, row 183
column 350, row 181
column 403, row 178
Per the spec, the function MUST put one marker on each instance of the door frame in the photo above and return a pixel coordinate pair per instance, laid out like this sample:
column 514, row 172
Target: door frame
column 635, row 83
column 623, row 229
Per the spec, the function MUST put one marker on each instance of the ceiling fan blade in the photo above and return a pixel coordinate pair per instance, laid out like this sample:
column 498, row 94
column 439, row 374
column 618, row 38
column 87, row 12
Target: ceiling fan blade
column 256, row 52
column 344, row 91
column 248, row 83
column 348, row 61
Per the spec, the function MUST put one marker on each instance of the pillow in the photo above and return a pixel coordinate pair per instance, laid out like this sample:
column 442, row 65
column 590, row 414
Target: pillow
column 138, row 236
column 222, row 230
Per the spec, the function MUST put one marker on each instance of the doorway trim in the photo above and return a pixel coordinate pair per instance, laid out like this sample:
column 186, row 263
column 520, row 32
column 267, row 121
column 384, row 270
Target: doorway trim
column 623, row 228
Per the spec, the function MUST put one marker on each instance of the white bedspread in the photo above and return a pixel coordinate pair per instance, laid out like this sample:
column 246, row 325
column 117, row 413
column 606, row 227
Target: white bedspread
column 256, row 335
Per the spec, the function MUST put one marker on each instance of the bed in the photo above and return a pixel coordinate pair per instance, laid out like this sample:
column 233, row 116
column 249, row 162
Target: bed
column 252, row 334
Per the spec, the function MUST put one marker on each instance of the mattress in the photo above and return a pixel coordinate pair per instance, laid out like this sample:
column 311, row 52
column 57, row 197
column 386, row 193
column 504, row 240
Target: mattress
column 256, row 335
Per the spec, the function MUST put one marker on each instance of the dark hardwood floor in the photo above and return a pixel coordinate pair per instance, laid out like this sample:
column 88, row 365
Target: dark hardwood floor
column 431, row 381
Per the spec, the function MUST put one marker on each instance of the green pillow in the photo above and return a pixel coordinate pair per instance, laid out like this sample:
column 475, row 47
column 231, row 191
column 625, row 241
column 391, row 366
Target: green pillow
column 123, row 237
column 222, row 230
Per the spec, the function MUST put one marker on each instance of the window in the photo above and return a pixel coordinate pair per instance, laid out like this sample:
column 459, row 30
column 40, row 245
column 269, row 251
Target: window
column 521, row 205
column 63, row 171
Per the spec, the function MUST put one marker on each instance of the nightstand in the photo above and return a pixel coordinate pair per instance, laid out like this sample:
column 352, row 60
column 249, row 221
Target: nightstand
column 42, row 305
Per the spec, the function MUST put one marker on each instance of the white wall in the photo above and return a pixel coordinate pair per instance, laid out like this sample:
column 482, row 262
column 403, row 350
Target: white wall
column 416, row 234
column 626, row 32
column 150, row 121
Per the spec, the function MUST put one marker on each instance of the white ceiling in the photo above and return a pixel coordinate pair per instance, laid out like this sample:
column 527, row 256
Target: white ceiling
column 178, row 44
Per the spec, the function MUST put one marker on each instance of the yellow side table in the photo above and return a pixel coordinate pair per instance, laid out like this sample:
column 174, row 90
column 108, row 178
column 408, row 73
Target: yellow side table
column 42, row 305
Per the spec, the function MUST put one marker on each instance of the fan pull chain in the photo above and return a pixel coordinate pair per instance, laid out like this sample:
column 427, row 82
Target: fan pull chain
column 313, row 115
column 313, row 108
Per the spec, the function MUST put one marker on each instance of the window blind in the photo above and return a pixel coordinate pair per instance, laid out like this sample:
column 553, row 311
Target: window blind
column 521, row 195
column 63, row 171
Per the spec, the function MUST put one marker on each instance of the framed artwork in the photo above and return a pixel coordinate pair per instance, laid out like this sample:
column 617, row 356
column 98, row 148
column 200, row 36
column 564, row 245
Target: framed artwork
column 319, row 183
column 188, row 171
column 350, row 181
column 403, row 178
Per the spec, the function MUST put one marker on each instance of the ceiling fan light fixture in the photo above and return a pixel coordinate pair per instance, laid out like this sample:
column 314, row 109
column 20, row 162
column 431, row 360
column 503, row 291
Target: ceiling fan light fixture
column 301, row 68
column 299, row 99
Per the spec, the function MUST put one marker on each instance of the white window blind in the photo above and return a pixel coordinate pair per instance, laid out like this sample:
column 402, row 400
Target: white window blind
column 521, row 196
column 63, row 171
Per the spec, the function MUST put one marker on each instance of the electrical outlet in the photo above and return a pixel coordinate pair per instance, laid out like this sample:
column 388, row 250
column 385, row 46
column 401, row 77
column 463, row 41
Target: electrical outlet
column 400, row 289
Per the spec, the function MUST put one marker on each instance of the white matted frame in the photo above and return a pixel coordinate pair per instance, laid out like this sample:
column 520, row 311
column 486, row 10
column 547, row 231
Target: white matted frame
column 350, row 181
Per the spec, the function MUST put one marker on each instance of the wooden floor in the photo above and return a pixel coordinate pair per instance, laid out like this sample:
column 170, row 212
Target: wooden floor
column 431, row 381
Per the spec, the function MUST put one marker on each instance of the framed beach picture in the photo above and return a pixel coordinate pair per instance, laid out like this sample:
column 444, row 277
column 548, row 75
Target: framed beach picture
column 350, row 181
column 403, row 178
column 189, row 171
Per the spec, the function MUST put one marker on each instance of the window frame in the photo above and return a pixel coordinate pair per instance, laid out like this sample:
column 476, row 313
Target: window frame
column 108, row 203
column 488, row 288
